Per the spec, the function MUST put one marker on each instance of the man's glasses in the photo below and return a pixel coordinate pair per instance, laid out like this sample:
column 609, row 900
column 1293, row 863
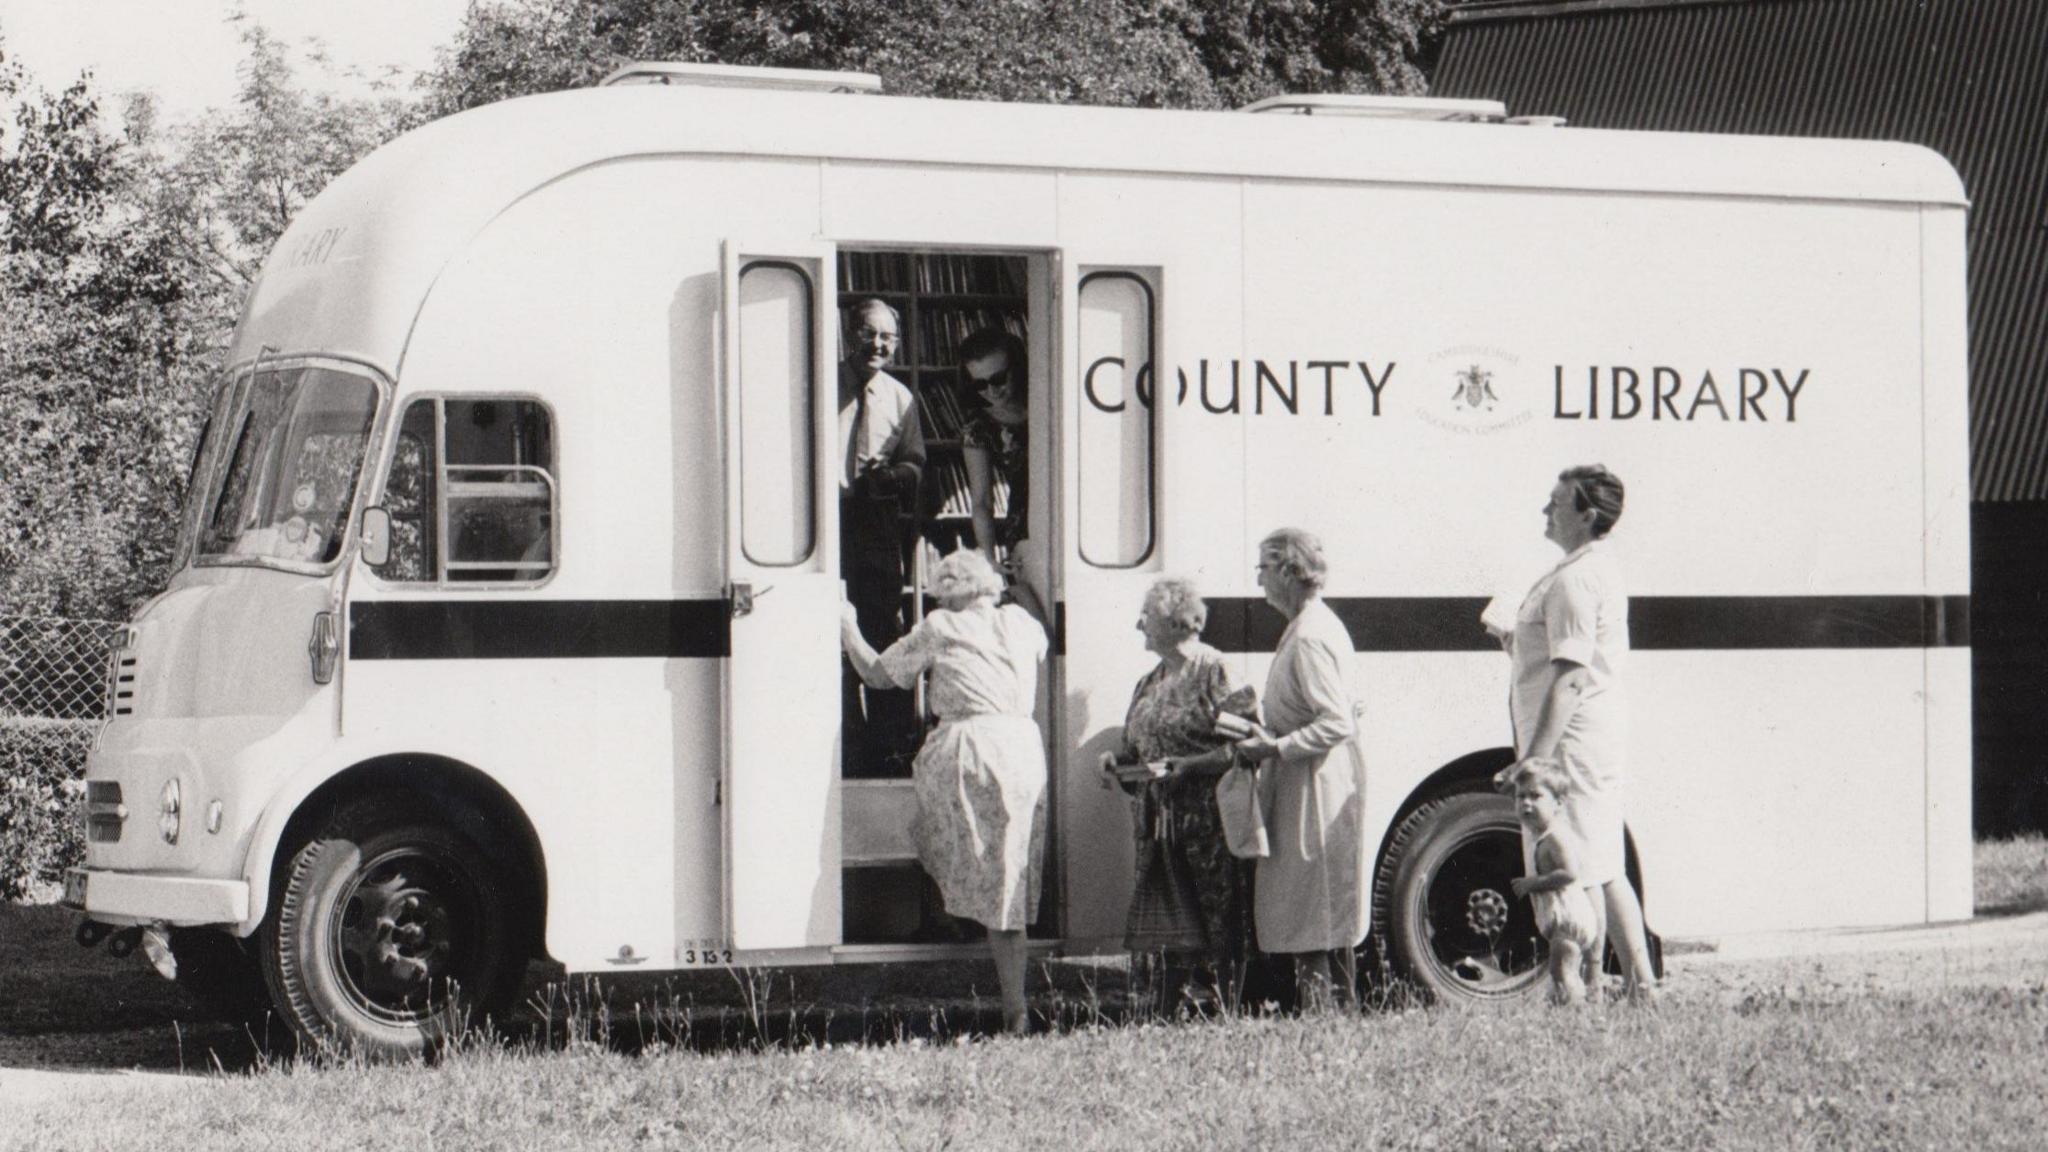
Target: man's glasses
column 868, row 335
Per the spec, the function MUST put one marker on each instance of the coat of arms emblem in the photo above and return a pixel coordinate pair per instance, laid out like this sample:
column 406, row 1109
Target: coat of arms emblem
column 1475, row 389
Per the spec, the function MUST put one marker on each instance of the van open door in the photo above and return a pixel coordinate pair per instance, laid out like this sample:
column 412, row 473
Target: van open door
column 1107, row 557
column 781, row 764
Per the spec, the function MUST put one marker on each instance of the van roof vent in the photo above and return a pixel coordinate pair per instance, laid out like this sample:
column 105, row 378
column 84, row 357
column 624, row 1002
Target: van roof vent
column 1383, row 107
column 740, row 76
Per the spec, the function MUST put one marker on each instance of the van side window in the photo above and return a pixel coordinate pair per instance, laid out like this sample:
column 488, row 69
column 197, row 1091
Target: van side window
column 472, row 493
column 1115, row 457
column 777, row 456
column 410, row 495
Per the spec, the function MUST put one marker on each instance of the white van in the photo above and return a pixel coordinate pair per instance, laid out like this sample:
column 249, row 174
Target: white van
column 565, row 366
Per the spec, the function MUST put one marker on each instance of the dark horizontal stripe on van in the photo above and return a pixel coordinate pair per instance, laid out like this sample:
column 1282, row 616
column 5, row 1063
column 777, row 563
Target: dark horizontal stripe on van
column 507, row 629
column 1655, row 623
column 467, row 629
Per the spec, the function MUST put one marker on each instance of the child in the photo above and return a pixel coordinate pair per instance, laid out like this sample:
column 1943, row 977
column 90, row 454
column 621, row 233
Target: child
column 1572, row 921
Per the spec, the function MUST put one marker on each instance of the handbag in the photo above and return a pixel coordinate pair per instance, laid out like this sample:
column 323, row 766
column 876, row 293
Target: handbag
column 1244, row 823
column 1166, row 912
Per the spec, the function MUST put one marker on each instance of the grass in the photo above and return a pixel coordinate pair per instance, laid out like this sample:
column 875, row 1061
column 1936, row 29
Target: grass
column 1934, row 1047
column 1793, row 1067
column 2012, row 875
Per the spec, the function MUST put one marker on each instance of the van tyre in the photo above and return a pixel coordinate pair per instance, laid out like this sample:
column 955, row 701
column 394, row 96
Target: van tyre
column 390, row 934
column 1450, row 922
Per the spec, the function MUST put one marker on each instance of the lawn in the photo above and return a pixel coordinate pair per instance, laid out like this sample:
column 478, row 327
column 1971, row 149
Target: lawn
column 1876, row 1049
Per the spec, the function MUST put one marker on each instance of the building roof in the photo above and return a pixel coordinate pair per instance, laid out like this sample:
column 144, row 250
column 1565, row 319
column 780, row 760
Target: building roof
column 1967, row 78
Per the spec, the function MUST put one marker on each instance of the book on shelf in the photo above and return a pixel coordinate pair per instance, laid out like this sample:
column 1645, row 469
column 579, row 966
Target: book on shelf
column 862, row 273
column 948, row 494
column 939, row 402
column 957, row 274
column 942, row 328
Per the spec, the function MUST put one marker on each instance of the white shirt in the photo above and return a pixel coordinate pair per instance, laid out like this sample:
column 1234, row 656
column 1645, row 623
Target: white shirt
column 1578, row 612
column 889, row 402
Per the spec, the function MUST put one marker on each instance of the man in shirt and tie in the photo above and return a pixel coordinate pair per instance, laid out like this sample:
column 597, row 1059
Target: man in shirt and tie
column 883, row 445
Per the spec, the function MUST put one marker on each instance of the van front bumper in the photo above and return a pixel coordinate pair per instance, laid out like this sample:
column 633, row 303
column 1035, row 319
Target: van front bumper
column 139, row 898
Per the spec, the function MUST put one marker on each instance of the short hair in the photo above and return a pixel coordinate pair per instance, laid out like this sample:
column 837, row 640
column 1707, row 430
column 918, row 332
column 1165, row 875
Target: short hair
column 867, row 304
column 1300, row 553
column 1593, row 486
column 964, row 572
column 1544, row 773
column 984, row 342
column 1176, row 599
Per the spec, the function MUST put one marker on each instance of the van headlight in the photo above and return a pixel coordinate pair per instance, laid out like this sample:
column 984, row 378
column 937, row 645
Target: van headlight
column 169, row 811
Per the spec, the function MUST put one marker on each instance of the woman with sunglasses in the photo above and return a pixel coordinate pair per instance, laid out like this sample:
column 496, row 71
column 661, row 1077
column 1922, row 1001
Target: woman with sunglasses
column 995, row 444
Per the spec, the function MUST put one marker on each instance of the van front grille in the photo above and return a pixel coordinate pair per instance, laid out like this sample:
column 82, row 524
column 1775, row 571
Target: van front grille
column 104, row 812
column 122, row 696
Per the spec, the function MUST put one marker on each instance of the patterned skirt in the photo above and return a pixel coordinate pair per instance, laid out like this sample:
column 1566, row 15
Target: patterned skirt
column 980, row 824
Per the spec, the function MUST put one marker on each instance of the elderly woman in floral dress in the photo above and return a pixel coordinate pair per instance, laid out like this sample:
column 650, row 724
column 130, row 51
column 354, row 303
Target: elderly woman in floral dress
column 1191, row 895
column 980, row 777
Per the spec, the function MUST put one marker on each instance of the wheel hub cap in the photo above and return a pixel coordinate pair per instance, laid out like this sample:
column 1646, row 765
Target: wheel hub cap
column 1486, row 912
column 395, row 937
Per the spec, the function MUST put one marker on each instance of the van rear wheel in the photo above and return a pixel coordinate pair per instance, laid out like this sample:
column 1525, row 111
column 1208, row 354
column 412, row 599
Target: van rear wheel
column 389, row 934
column 1453, row 925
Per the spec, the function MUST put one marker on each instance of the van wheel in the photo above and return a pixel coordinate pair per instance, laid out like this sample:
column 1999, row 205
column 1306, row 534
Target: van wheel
column 388, row 934
column 1453, row 926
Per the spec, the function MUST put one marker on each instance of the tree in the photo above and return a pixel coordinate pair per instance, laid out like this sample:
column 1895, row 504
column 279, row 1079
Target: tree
column 1177, row 53
column 91, row 352
column 124, row 260
column 234, row 180
column 1257, row 48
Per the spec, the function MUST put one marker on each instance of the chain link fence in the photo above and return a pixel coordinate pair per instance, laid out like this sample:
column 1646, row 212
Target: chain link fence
column 53, row 668
column 53, row 676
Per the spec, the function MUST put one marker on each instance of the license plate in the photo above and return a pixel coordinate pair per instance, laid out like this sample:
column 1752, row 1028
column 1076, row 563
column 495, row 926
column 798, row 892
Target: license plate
column 74, row 887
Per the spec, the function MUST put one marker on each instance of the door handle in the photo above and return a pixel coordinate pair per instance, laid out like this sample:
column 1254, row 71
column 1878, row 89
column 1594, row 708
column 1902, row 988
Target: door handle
column 742, row 597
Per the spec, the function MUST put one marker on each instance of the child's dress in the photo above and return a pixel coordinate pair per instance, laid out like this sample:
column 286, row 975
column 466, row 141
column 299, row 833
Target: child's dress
column 1566, row 913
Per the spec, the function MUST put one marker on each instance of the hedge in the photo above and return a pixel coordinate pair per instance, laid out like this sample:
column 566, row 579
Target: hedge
column 42, row 801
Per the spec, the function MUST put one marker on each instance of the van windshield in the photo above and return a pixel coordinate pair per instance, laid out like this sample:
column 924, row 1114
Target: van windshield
column 292, row 451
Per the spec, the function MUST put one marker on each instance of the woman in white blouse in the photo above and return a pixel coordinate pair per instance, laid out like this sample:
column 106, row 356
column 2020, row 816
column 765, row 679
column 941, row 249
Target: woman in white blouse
column 1568, row 645
column 1311, row 897
column 980, row 778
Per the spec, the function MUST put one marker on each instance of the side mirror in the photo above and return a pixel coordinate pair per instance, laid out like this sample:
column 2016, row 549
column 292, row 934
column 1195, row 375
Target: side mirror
column 376, row 536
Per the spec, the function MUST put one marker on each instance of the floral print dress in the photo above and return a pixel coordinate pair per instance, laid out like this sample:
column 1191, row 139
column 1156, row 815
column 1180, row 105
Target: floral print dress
column 1173, row 713
column 980, row 777
column 1009, row 465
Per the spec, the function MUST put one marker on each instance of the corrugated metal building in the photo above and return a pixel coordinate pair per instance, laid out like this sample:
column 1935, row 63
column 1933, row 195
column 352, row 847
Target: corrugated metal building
column 1968, row 78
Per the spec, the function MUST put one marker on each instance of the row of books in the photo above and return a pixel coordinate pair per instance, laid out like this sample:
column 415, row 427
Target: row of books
column 907, row 271
column 941, row 331
column 945, row 412
column 947, row 492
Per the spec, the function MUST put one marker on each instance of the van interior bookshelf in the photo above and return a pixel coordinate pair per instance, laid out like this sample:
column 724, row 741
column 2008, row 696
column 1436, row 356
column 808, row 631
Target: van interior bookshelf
column 942, row 297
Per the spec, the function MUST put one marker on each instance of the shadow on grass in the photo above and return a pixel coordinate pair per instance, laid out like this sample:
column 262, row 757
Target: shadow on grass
column 63, row 1006
column 2022, row 905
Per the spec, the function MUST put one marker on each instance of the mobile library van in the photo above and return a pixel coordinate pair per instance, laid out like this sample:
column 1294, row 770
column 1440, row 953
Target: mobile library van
column 505, row 623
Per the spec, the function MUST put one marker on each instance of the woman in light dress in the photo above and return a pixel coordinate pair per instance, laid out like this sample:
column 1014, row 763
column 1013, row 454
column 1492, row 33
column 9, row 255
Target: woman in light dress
column 1312, row 896
column 980, row 778
column 1568, row 644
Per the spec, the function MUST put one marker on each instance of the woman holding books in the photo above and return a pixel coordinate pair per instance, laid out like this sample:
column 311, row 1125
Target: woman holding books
column 1192, row 896
column 1313, row 895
